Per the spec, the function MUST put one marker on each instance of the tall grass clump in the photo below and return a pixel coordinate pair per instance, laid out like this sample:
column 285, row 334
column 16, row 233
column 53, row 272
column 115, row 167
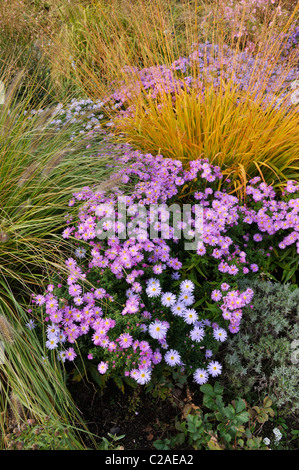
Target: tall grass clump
column 40, row 166
column 33, row 385
column 190, row 85
column 26, row 29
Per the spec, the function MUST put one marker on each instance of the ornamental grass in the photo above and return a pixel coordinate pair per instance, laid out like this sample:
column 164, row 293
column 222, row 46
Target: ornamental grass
column 39, row 168
column 190, row 85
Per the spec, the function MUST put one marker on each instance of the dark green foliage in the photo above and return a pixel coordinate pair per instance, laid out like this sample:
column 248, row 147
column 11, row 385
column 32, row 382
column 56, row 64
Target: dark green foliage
column 217, row 425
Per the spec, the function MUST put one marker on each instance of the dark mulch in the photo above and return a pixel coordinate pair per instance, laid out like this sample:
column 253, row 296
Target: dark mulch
column 135, row 414
column 140, row 417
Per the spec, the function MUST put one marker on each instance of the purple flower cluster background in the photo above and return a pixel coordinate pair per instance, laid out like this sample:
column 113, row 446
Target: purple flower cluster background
column 149, row 267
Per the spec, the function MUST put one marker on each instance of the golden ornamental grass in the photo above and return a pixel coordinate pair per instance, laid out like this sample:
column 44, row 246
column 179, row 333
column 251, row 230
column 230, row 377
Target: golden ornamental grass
column 233, row 129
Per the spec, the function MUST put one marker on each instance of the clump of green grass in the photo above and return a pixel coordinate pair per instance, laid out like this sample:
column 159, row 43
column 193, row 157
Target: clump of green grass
column 40, row 168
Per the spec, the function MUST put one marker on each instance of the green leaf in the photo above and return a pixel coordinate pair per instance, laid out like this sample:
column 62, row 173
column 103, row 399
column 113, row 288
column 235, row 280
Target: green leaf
column 192, row 428
column 180, row 438
column 218, row 388
column 200, row 272
column 239, row 405
column 267, row 402
column 227, row 437
column 207, row 389
column 161, row 445
column 241, row 442
column 199, row 302
column 229, row 412
column 250, row 443
column 243, row 417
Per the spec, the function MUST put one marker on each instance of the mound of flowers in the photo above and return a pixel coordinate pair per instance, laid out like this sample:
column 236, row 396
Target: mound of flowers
column 153, row 280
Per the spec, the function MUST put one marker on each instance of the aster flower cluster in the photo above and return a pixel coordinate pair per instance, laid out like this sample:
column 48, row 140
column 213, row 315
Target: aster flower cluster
column 217, row 65
column 115, row 294
column 86, row 112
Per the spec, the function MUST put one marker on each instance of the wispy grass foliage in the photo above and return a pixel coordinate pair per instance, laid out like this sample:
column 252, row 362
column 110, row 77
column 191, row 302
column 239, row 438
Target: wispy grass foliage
column 40, row 166
column 39, row 169
column 32, row 385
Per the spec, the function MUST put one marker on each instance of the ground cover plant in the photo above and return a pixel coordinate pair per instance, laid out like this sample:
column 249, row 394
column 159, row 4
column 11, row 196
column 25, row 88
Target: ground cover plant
column 141, row 220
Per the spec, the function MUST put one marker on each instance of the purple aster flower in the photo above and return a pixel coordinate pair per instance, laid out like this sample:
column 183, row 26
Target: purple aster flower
column 156, row 357
column 200, row 376
column 214, row 368
column 254, row 267
column 102, row 367
column 125, row 340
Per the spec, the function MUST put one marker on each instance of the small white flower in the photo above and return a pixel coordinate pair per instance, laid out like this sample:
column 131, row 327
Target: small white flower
column 172, row 357
column 157, row 330
column 178, row 309
column 143, row 376
column 187, row 286
column 80, row 252
column 153, row 290
column 277, row 434
column 266, row 441
column 197, row 334
column 220, row 334
column 168, row 299
column 186, row 298
column 190, row 316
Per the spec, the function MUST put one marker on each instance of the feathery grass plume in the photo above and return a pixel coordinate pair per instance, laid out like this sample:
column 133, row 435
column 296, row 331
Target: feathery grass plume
column 6, row 330
column 16, row 408
column 99, row 42
column 39, row 170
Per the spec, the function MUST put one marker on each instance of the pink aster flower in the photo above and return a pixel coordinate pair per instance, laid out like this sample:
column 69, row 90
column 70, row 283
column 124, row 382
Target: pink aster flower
column 40, row 300
column 234, row 328
column 102, row 367
column 254, row 267
column 216, row 295
column 70, row 354
column 75, row 289
column 125, row 340
column 224, row 286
